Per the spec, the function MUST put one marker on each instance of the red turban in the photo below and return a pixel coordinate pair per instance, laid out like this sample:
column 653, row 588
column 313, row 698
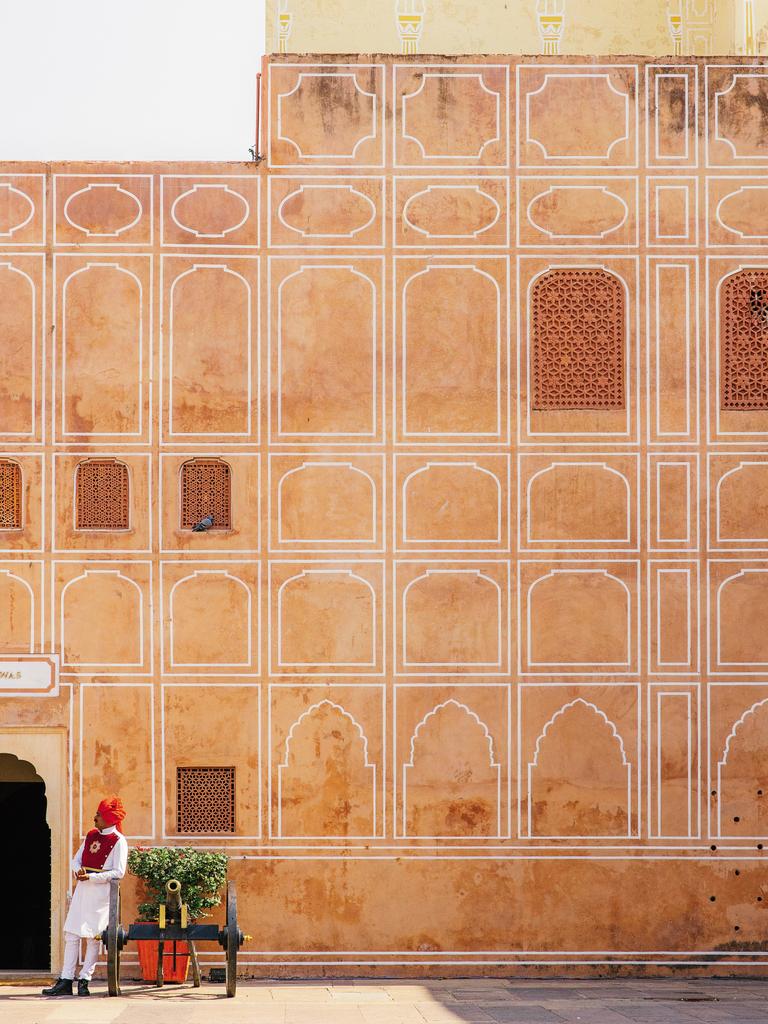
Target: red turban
column 112, row 811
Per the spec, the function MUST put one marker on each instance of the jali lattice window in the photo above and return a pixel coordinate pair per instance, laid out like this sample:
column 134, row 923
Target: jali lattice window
column 744, row 340
column 206, row 490
column 10, row 495
column 578, row 324
column 205, row 800
column 102, row 499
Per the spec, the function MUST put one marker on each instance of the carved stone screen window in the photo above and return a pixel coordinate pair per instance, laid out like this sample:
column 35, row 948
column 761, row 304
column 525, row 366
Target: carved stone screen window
column 205, row 800
column 578, row 324
column 744, row 341
column 102, row 500
column 10, row 495
column 206, row 490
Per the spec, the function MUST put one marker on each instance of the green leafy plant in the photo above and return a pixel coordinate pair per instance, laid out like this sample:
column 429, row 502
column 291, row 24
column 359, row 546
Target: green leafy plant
column 202, row 875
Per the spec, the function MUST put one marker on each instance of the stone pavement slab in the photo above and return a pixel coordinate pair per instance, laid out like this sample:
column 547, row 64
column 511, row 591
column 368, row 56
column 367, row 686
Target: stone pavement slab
column 373, row 1001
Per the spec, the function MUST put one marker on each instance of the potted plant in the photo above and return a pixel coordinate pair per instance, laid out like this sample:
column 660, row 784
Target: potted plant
column 202, row 875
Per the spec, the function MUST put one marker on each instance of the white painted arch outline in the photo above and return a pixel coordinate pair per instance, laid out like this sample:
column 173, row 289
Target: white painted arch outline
column 729, row 579
column 248, row 345
column 404, row 355
column 724, row 761
column 716, row 104
column 284, row 765
column 77, row 579
column 535, row 761
column 478, row 574
column 581, row 540
column 407, row 765
column 9, row 575
column 432, row 540
column 553, row 573
column 323, row 664
column 731, row 195
column 7, row 265
column 719, row 539
column 375, row 355
column 140, row 350
column 219, row 664
column 314, row 540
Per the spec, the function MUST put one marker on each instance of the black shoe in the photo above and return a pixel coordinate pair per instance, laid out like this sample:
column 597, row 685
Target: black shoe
column 82, row 987
column 62, row 987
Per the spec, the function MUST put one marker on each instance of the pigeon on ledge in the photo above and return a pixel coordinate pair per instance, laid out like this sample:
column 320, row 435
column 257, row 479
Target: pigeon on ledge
column 205, row 524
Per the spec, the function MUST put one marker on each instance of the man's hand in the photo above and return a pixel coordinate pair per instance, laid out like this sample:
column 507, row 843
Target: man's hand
column 81, row 875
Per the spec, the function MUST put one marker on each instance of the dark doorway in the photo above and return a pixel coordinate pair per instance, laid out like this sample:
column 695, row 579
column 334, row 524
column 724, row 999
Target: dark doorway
column 25, row 867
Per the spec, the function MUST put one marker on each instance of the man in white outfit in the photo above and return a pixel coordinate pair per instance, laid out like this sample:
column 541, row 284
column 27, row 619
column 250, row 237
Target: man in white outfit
column 102, row 856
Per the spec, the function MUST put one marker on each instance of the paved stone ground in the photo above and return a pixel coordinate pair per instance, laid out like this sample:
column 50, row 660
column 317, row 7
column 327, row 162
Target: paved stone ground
column 432, row 1002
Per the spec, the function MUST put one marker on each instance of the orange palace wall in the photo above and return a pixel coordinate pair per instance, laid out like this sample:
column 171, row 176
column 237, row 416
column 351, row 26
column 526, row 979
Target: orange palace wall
column 482, row 343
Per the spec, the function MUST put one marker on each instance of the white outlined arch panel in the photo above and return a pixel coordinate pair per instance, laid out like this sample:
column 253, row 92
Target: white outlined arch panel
column 23, row 353
column 597, row 730
column 451, row 761
column 328, row 762
column 736, row 95
column 737, row 499
column 738, row 616
column 21, row 607
column 326, row 503
column 453, row 503
column 326, row 618
column 89, row 598
column 210, row 349
column 578, row 502
column 579, row 618
column 452, row 618
column 103, row 348
column 737, row 783
column 451, row 377
column 211, row 618
column 326, row 367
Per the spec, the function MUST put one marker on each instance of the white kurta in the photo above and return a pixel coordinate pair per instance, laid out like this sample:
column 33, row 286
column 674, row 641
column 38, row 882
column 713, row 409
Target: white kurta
column 89, row 910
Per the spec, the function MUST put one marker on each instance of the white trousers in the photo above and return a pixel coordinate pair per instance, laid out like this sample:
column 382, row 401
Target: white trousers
column 72, row 955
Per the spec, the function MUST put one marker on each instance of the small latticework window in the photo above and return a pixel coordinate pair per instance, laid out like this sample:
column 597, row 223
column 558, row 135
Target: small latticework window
column 577, row 340
column 744, row 340
column 10, row 495
column 101, row 495
column 205, row 800
column 206, row 492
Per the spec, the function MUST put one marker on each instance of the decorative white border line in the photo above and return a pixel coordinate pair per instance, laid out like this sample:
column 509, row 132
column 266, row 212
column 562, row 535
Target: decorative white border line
column 4, row 176
column 324, row 241
column 214, row 179
column 691, row 103
column 143, row 217
column 37, row 435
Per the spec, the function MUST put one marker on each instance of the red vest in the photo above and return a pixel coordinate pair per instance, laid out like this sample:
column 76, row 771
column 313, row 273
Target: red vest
column 97, row 848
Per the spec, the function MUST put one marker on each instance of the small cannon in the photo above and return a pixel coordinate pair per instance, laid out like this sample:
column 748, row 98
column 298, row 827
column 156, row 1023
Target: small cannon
column 173, row 926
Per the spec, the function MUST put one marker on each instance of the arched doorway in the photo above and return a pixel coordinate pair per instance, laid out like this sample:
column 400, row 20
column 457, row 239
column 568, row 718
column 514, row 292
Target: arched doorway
column 25, row 854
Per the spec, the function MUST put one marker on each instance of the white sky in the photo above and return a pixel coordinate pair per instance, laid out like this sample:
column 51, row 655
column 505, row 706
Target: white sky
column 135, row 79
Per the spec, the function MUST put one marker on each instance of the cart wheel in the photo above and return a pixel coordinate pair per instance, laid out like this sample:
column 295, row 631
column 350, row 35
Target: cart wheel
column 114, row 939
column 234, row 939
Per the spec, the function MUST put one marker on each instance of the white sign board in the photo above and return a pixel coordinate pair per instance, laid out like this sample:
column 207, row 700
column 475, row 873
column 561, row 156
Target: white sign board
column 29, row 675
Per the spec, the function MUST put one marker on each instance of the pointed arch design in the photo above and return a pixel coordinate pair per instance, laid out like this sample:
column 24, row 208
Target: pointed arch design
column 455, row 792
column 556, row 807
column 745, row 790
column 332, row 794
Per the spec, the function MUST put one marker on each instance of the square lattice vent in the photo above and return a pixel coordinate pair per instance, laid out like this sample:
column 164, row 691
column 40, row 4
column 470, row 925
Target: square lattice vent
column 205, row 800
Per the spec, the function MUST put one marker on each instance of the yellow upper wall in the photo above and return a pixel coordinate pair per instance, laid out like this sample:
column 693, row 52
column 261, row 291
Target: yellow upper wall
column 655, row 27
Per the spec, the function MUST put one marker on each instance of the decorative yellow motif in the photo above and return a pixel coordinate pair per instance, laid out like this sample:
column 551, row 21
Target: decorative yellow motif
column 675, row 23
column 551, row 18
column 410, row 23
column 284, row 26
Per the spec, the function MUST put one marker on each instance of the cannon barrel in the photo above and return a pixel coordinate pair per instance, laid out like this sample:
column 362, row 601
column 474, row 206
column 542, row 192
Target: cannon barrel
column 173, row 894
